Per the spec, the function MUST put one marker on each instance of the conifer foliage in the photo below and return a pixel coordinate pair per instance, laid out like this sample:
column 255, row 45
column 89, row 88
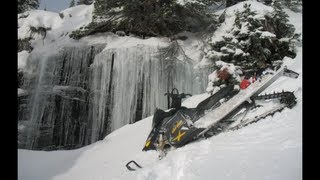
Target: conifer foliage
column 147, row 17
column 72, row 3
column 85, row 2
column 255, row 42
column 294, row 5
column 25, row 5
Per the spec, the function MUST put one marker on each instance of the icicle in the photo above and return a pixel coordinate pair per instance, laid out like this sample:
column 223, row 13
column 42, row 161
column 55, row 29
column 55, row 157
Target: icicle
column 137, row 70
column 103, row 97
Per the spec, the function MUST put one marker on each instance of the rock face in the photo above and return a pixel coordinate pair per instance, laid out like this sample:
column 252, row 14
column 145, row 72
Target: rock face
column 80, row 94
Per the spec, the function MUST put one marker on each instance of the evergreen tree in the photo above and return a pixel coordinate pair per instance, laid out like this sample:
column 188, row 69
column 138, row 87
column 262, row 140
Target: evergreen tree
column 86, row 2
column 72, row 3
column 280, row 21
column 25, row 5
column 255, row 43
column 147, row 17
column 294, row 5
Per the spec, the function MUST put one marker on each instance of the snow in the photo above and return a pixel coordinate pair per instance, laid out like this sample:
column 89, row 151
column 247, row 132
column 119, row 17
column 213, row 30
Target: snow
column 22, row 92
column 238, row 52
column 268, row 149
column 227, row 26
column 22, row 59
column 127, row 41
column 58, row 28
column 183, row 2
column 225, row 49
column 193, row 46
column 37, row 18
column 57, row 36
column 193, row 101
column 73, row 18
column 244, row 28
column 266, row 34
column 213, row 77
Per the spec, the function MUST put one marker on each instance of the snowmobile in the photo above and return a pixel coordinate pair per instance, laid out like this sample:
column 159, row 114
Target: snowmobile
column 180, row 125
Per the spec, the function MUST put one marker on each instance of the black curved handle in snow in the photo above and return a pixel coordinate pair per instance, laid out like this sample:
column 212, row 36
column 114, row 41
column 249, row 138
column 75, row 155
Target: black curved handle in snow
column 130, row 168
column 182, row 94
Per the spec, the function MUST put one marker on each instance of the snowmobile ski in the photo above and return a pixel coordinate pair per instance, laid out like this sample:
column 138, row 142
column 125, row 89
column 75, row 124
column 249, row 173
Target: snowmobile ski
column 246, row 122
column 234, row 122
column 231, row 105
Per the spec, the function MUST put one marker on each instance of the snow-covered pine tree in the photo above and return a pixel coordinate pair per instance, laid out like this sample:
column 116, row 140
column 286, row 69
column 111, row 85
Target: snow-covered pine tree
column 147, row 17
column 280, row 21
column 72, row 3
column 25, row 5
column 283, row 30
column 254, row 42
column 294, row 5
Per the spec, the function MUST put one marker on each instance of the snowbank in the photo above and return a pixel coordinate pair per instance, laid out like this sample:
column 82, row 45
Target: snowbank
column 22, row 59
column 50, row 31
column 63, row 22
column 22, row 92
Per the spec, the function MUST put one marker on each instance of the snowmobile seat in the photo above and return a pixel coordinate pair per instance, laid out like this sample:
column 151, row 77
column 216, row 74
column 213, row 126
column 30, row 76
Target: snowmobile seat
column 160, row 115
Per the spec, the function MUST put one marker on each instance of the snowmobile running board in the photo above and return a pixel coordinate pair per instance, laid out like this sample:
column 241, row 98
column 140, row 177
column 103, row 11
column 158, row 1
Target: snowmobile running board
column 245, row 95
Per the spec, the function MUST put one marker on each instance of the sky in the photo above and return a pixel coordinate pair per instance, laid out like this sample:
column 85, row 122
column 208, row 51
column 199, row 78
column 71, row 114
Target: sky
column 54, row 5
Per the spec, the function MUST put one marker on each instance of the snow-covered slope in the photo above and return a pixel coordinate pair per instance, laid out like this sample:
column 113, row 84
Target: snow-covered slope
column 59, row 23
column 58, row 28
column 269, row 149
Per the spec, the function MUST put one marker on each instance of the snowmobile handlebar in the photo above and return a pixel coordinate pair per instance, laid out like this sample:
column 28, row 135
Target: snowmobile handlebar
column 182, row 95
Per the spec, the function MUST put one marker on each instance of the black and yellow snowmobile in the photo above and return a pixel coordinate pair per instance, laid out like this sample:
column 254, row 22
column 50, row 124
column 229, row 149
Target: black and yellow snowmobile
column 177, row 127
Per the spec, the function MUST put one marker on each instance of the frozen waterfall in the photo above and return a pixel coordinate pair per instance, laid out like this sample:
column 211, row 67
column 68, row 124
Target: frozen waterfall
column 80, row 94
column 137, row 79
